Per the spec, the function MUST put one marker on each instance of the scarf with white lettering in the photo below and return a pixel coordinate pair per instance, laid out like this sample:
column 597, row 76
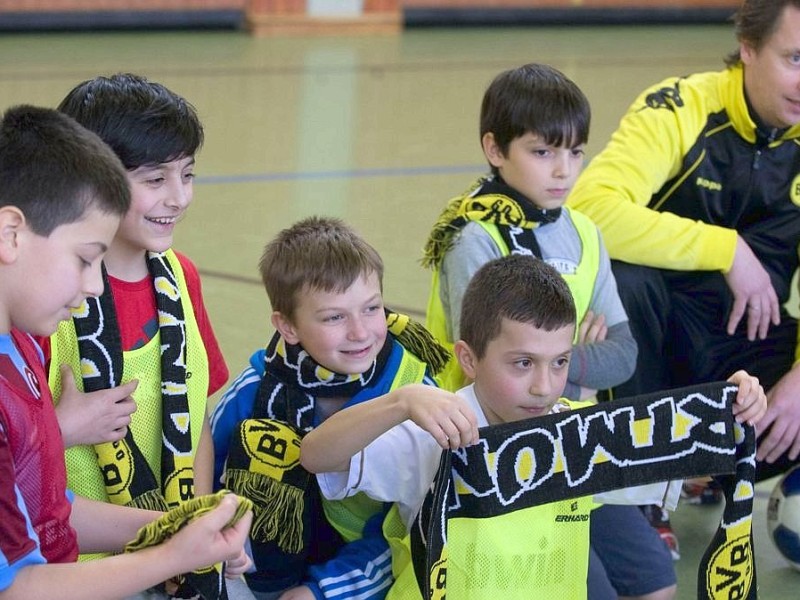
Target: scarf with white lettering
column 682, row 433
column 100, row 348
column 128, row 477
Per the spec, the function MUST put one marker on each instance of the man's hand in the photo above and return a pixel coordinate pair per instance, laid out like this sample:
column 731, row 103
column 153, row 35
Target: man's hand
column 783, row 415
column 752, row 291
column 94, row 417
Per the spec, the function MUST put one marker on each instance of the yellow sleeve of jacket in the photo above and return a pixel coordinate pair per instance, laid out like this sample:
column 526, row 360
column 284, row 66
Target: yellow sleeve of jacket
column 644, row 153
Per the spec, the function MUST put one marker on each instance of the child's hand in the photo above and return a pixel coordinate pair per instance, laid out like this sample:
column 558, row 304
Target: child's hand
column 445, row 415
column 94, row 417
column 751, row 401
column 238, row 566
column 209, row 540
column 593, row 329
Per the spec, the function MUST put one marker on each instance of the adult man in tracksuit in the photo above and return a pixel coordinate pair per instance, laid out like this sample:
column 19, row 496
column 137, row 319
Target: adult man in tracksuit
column 697, row 196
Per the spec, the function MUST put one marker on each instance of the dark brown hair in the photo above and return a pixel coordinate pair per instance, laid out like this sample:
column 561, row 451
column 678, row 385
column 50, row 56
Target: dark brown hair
column 53, row 169
column 538, row 99
column 517, row 287
column 755, row 22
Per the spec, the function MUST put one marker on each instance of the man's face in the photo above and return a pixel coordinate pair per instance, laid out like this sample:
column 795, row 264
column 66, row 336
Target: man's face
column 772, row 73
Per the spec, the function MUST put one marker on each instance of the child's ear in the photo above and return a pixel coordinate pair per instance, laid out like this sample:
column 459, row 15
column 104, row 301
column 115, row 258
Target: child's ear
column 491, row 150
column 466, row 358
column 12, row 221
column 284, row 326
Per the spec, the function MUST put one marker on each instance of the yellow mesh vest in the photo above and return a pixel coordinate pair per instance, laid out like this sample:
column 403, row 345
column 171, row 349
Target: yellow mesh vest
column 581, row 284
column 144, row 364
column 450, row 378
column 539, row 552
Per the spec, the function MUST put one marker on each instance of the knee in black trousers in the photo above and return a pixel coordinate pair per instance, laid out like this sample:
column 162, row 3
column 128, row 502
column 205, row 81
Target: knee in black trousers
column 646, row 299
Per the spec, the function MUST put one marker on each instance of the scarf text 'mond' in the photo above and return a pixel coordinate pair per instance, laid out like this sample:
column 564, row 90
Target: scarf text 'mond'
column 682, row 433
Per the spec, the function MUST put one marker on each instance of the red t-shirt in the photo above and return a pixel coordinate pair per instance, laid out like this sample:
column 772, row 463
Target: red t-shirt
column 137, row 316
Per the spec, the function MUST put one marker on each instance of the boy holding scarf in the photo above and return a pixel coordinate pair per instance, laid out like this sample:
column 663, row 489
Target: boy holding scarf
column 335, row 345
column 148, row 335
column 517, row 328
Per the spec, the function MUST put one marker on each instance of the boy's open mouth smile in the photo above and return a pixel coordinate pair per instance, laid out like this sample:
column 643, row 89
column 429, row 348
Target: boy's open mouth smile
column 162, row 220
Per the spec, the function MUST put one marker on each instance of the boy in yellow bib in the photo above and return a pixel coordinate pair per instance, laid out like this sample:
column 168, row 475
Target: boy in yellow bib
column 534, row 124
column 517, row 327
column 148, row 335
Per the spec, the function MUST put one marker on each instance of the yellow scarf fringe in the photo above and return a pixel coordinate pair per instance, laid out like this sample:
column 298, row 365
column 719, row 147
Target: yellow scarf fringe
column 171, row 522
column 278, row 508
column 419, row 341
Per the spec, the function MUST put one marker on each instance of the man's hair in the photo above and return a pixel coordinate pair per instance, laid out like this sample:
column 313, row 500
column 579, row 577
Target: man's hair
column 53, row 169
column 144, row 122
column 537, row 99
column 519, row 288
column 755, row 22
column 317, row 253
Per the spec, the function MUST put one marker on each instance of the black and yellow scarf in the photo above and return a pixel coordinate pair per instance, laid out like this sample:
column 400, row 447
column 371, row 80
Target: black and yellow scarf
column 170, row 523
column 681, row 433
column 208, row 582
column 128, row 478
column 100, row 349
column 489, row 200
column 263, row 461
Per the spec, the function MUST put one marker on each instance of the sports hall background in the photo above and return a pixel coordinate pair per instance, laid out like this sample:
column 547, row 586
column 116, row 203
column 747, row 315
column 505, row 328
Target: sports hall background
column 362, row 109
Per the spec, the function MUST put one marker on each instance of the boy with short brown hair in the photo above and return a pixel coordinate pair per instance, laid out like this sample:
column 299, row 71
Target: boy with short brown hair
column 335, row 345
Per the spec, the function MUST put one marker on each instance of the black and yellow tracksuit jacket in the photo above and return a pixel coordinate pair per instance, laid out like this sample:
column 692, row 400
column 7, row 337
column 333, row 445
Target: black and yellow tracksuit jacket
column 687, row 169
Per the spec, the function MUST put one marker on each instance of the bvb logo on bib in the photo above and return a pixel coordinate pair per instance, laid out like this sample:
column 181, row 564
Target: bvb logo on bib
column 794, row 190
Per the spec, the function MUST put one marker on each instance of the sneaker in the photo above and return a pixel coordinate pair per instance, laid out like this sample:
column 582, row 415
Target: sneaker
column 659, row 520
column 670, row 539
column 706, row 493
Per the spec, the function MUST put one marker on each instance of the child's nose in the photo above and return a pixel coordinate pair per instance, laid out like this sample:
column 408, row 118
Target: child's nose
column 180, row 194
column 93, row 282
column 540, row 386
column 357, row 330
column 563, row 166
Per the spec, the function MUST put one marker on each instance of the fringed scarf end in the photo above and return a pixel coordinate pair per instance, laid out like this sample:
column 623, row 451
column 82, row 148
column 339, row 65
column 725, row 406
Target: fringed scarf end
column 441, row 237
column 419, row 341
column 150, row 500
column 277, row 508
